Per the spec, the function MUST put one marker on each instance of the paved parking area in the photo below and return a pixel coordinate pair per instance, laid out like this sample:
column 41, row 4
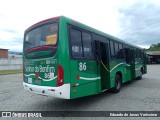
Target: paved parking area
column 139, row 95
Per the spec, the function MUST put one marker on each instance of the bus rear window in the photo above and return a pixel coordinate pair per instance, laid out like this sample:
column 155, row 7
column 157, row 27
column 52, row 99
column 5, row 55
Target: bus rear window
column 41, row 36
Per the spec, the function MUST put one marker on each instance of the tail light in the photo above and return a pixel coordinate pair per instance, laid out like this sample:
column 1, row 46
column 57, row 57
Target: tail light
column 60, row 77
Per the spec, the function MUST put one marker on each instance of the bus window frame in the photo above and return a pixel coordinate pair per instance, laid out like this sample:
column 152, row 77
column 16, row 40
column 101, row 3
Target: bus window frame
column 69, row 27
column 71, row 44
column 112, row 58
column 37, row 26
column 123, row 51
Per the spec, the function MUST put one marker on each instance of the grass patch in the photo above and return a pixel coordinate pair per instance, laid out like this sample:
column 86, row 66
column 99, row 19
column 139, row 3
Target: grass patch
column 5, row 72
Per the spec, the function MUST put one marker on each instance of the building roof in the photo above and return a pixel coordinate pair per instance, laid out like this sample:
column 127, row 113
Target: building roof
column 153, row 52
column 3, row 49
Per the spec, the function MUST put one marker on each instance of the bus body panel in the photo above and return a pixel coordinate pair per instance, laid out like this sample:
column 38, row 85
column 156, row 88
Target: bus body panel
column 83, row 74
column 63, row 56
column 128, row 72
column 115, row 68
column 84, row 90
column 81, row 77
column 41, row 72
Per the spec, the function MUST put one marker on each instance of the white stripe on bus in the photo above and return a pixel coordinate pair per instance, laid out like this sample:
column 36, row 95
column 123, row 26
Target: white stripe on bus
column 41, row 78
column 90, row 78
column 47, row 79
column 29, row 75
column 118, row 65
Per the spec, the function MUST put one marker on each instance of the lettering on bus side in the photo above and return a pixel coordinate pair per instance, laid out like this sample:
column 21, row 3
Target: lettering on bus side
column 40, row 68
column 82, row 66
column 51, row 61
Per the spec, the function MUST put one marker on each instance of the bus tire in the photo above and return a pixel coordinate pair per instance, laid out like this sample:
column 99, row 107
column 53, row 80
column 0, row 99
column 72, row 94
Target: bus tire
column 140, row 77
column 118, row 83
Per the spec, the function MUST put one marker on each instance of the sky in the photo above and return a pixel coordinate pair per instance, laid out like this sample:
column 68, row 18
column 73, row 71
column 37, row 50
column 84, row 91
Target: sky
column 134, row 21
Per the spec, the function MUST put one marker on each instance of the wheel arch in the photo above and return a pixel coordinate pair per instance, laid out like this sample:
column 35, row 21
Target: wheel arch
column 120, row 74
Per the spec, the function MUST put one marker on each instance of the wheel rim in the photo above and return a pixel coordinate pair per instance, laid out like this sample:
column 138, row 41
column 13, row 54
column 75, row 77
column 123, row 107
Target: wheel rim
column 118, row 84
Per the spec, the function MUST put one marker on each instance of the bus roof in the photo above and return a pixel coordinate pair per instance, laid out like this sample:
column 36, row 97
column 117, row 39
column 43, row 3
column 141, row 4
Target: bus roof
column 42, row 22
column 81, row 25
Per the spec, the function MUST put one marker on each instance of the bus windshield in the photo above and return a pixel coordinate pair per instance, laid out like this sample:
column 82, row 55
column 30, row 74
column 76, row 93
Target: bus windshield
column 42, row 38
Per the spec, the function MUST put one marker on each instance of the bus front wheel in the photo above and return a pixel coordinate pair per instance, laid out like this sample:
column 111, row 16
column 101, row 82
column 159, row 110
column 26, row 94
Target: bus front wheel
column 118, row 82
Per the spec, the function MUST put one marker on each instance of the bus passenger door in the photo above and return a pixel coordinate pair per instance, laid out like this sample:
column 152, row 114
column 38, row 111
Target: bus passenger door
column 102, row 57
column 128, row 62
column 129, row 53
column 132, row 64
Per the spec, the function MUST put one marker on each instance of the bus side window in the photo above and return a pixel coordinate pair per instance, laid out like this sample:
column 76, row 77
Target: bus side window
column 76, row 43
column 120, row 54
column 87, row 45
column 138, row 55
column 112, row 54
column 116, row 50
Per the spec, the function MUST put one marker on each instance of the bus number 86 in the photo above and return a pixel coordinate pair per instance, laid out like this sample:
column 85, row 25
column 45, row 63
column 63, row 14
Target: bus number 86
column 82, row 66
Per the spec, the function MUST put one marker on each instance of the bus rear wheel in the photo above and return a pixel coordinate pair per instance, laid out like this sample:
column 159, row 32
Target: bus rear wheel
column 118, row 82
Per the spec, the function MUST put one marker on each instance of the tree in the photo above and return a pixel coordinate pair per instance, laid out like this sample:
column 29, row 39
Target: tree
column 154, row 47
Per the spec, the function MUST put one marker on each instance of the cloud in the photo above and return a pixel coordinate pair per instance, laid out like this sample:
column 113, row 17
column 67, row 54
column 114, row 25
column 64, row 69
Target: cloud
column 11, row 39
column 22, row 14
column 140, row 24
column 9, row 30
column 136, row 21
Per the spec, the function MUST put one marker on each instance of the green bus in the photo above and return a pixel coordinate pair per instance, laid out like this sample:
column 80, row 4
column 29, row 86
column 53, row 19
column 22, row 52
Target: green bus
column 67, row 59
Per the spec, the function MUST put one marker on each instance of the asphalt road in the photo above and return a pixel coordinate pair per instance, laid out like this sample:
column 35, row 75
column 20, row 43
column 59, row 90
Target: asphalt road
column 139, row 95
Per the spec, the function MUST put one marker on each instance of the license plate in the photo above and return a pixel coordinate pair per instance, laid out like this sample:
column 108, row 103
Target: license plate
column 38, row 82
column 30, row 80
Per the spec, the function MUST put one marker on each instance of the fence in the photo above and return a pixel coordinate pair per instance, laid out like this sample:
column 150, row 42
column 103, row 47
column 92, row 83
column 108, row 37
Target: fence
column 10, row 63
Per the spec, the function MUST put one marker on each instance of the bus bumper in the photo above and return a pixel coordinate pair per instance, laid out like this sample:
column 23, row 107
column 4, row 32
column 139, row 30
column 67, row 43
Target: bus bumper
column 59, row 92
